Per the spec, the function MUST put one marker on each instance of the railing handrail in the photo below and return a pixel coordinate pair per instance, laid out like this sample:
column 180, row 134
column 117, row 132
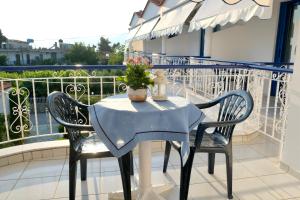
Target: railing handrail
column 250, row 64
column 235, row 65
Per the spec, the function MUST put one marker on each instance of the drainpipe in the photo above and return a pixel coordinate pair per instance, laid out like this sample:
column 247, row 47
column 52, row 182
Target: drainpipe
column 202, row 42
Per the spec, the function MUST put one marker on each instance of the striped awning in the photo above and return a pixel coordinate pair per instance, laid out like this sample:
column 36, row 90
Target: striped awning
column 172, row 22
column 133, row 32
column 222, row 12
column 145, row 31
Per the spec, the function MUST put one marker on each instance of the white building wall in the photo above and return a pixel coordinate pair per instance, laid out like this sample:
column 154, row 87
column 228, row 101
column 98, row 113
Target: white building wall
column 184, row 44
column 291, row 149
column 153, row 46
column 251, row 41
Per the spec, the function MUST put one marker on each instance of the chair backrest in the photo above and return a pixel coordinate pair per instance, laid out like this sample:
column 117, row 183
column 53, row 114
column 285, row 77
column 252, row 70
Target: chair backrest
column 69, row 113
column 235, row 107
column 63, row 108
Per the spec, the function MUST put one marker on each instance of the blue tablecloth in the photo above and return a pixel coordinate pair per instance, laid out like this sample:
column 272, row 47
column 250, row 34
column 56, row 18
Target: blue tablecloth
column 121, row 124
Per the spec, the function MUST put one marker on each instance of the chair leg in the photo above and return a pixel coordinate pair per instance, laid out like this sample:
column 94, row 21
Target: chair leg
column 131, row 164
column 124, row 163
column 167, row 156
column 229, row 174
column 211, row 163
column 186, row 175
column 83, row 166
column 72, row 178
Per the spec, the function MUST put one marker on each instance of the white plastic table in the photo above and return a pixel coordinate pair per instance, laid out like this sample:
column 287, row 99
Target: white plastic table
column 122, row 124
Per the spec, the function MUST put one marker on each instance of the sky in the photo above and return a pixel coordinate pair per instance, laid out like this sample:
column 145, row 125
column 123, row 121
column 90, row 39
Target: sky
column 47, row 21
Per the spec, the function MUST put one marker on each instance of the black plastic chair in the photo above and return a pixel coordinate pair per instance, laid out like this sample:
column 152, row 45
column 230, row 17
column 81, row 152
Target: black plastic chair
column 235, row 107
column 84, row 145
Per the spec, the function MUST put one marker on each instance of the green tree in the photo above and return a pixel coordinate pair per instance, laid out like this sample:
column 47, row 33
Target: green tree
column 3, row 60
column 2, row 38
column 81, row 54
column 104, row 50
column 117, row 57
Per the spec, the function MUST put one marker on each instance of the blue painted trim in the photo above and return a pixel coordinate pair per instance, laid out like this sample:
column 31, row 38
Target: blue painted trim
column 230, row 65
column 284, row 22
column 202, row 42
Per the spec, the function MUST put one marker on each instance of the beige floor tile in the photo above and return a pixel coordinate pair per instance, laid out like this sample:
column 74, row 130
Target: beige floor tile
column 267, row 149
column 88, row 197
column 111, row 182
column 43, row 168
column 158, row 178
column 174, row 158
column 109, row 165
column 199, row 159
column 6, row 187
column 89, row 187
column 207, row 191
column 243, row 152
column 173, row 174
column 239, row 172
column 259, row 139
column 157, row 160
column 34, row 189
column 219, row 157
column 93, row 166
column 253, row 189
column 96, row 184
column 261, row 167
column 12, row 171
column 285, row 185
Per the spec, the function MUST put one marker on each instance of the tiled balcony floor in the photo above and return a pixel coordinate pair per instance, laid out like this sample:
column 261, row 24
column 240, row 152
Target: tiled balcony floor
column 256, row 176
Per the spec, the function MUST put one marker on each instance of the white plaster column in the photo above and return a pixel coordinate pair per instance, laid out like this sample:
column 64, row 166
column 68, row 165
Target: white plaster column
column 163, row 45
column 144, row 45
column 208, row 41
column 291, row 147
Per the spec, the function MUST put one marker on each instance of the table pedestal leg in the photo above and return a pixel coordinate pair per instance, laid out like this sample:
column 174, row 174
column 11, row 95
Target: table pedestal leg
column 145, row 162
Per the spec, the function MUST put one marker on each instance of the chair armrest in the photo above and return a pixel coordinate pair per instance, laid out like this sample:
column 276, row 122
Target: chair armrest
column 209, row 104
column 205, row 125
column 80, row 127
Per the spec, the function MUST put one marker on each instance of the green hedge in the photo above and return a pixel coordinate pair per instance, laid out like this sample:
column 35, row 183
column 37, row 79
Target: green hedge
column 55, row 83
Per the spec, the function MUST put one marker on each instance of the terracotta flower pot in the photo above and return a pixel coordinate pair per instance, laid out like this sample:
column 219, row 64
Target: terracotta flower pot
column 139, row 95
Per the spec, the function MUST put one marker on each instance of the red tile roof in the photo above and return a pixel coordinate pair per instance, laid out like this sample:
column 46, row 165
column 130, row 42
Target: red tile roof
column 139, row 13
column 158, row 2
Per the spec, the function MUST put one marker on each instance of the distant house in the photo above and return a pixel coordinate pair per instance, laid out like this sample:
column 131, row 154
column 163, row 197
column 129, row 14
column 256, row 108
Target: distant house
column 21, row 52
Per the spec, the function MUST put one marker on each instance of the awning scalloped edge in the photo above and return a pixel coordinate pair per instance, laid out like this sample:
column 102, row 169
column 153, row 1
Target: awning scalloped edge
column 232, row 16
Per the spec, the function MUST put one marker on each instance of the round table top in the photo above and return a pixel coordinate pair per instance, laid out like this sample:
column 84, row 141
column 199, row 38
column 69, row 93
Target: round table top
column 123, row 103
column 121, row 123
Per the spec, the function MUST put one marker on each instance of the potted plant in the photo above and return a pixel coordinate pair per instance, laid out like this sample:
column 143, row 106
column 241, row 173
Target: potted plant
column 137, row 78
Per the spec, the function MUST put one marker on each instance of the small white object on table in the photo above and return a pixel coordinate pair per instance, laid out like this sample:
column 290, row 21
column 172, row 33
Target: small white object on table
column 122, row 124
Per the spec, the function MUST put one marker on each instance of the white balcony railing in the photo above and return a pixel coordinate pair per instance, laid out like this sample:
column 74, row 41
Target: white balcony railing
column 25, row 116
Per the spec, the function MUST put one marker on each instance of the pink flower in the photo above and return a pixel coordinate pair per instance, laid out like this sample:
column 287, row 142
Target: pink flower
column 130, row 60
column 139, row 60
column 146, row 61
